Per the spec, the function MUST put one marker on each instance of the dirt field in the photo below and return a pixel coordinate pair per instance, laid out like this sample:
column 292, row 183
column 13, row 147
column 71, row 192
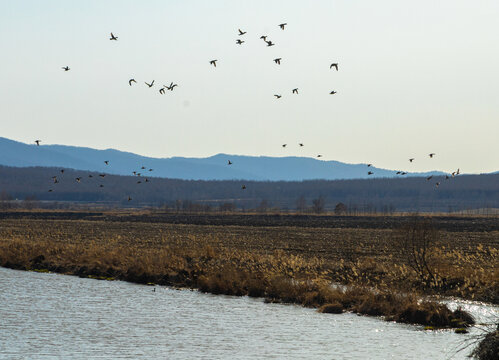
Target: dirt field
column 359, row 250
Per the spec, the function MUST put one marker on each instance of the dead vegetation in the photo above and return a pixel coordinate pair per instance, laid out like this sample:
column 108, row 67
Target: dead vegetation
column 288, row 265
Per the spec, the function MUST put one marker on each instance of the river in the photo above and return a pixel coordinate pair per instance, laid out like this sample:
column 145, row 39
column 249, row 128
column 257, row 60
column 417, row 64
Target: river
column 51, row 316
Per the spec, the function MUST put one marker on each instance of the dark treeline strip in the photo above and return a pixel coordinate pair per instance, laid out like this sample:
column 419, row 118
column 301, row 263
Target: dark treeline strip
column 363, row 195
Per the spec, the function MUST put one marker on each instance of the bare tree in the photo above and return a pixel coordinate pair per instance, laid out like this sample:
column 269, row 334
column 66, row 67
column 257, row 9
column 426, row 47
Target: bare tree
column 318, row 204
column 301, row 204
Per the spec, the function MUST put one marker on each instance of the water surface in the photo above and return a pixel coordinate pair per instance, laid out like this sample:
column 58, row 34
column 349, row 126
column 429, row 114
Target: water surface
column 50, row 316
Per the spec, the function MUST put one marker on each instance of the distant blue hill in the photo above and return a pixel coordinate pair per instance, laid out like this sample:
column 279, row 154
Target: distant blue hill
column 259, row 168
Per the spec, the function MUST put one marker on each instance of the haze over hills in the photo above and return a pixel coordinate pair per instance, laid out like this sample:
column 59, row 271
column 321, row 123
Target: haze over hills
column 262, row 168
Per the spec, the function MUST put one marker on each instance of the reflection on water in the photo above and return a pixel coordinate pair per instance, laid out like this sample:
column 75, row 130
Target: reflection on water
column 46, row 316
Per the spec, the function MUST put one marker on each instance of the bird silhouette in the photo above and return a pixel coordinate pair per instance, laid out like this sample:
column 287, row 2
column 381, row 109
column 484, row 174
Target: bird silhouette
column 239, row 41
column 129, row 198
column 284, row 145
column 370, row 173
column 431, row 155
column 282, row 25
column 319, row 155
column 399, row 172
column 147, row 180
column 113, row 37
column 161, row 91
column 264, row 37
column 429, row 178
column 37, row 142
column 78, row 179
column 142, row 167
column 151, row 169
column 278, row 61
column 411, row 159
column 369, row 165
column 171, row 87
column 436, row 184
column 457, row 172
column 150, row 85
column 403, row 173
column 66, row 68
column 214, row 63
column 229, row 162
column 101, row 185
column 131, row 81
column 295, row 91
column 62, row 171
column 269, row 43
column 334, row 65
column 243, row 187
column 102, row 175
column 106, row 162
column 333, row 92
column 277, row 96
column 301, row 144
column 241, row 32
column 447, row 177
column 50, row 190
column 90, row 176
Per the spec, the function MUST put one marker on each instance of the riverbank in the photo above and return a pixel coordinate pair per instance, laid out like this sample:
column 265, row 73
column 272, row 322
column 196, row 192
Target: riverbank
column 290, row 264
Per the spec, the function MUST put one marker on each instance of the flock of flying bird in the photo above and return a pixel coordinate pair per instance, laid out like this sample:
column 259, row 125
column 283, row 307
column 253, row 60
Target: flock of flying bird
column 172, row 85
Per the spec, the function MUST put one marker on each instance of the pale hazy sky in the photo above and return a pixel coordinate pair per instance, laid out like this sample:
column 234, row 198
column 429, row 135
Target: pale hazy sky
column 415, row 77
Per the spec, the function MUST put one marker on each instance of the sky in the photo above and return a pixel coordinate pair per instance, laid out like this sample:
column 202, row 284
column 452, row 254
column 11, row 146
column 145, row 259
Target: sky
column 414, row 78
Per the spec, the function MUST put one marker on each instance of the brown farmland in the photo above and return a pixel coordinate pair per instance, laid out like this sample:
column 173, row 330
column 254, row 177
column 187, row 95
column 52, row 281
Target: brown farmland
column 281, row 257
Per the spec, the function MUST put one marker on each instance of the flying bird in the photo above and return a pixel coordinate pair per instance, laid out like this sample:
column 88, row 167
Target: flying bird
column 37, row 142
column 129, row 198
column 50, row 190
column 106, row 162
column 62, row 171
column 90, row 176
column 319, row 155
column 282, row 25
column 403, row 173
column 457, row 172
column 284, row 145
column 411, row 159
column 334, row 65
column 214, row 63
column 113, row 37
column 436, row 184
column 295, row 91
column 229, row 162
column 431, row 155
column 147, row 180
column 278, row 61
column 241, row 32
column 102, row 175
column 161, row 91
column 243, row 187
column 131, row 81
column 301, row 144
column 370, row 173
column 333, row 92
column 264, row 37
column 142, row 167
column 239, row 41
column 101, row 185
column 171, row 87
column 277, row 96
column 429, row 178
column 78, row 179
column 150, row 85
column 269, row 43
column 65, row 68
column 369, row 165
column 399, row 172
column 151, row 169
column 447, row 177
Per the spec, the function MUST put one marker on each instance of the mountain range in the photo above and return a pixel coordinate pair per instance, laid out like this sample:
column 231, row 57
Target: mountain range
column 256, row 168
